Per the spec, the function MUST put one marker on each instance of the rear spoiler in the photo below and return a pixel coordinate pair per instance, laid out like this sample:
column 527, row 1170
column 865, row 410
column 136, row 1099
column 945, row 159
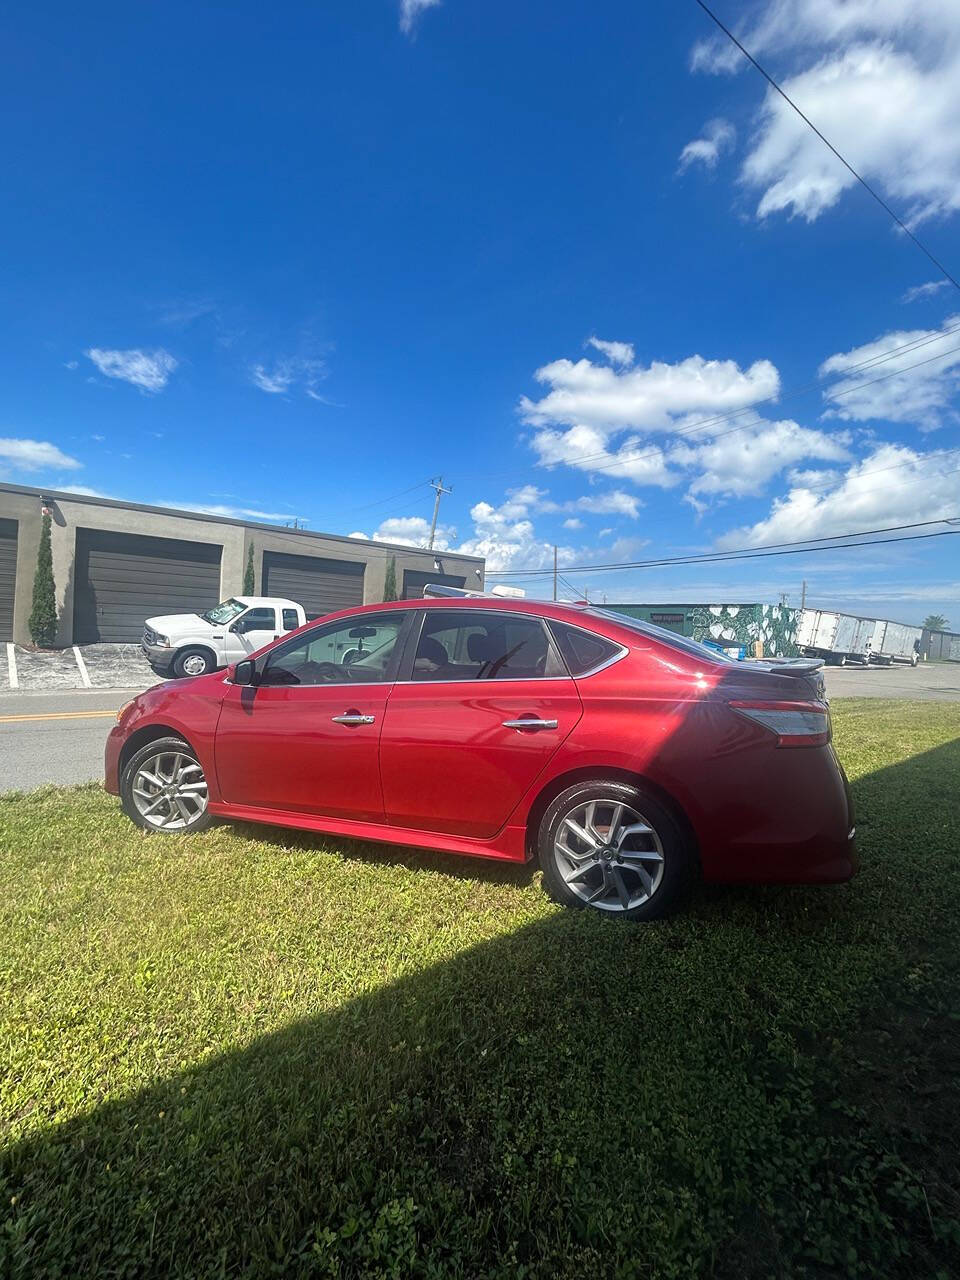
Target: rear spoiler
column 792, row 666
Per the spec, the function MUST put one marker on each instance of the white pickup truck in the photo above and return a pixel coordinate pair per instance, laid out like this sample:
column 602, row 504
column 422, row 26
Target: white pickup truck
column 191, row 644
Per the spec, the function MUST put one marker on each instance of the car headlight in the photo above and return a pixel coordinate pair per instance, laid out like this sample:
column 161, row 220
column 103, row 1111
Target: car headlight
column 122, row 711
column 163, row 641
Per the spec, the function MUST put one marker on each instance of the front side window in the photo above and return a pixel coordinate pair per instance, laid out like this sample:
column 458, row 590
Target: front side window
column 224, row 612
column 354, row 651
column 477, row 646
column 258, row 620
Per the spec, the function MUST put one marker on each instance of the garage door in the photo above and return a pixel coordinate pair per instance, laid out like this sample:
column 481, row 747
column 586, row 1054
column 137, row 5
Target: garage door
column 8, row 576
column 414, row 580
column 123, row 578
column 321, row 586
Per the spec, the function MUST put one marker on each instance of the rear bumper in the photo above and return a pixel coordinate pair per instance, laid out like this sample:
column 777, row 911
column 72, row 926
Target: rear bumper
column 794, row 826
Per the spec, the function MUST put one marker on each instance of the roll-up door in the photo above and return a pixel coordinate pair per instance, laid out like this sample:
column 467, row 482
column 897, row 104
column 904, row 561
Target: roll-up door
column 8, row 576
column 124, row 578
column 414, row 580
column 321, row 586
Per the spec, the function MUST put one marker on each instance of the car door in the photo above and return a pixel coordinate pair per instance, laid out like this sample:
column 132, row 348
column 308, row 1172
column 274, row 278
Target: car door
column 482, row 704
column 250, row 632
column 305, row 738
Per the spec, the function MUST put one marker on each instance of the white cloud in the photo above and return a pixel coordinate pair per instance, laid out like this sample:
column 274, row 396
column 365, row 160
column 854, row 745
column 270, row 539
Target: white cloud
column 219, row 509
column 647, row 397
column 574, row 522
column 920, row 395
column 718, row 135
column 287, row 374
column 744, row 462
column 410, row 11
column 615, row 502
column 927, row 290
column 148, row 370
column 618, row 353
column 33, row 455
column 849, row 61
column 893, row 485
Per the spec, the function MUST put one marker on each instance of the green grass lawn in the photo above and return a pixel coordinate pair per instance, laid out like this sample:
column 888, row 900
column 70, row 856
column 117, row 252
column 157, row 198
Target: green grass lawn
column 252, row 1053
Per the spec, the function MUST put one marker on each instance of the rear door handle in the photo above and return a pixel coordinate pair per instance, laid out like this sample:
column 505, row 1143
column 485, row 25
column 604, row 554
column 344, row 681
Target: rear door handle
column 530, row 724
column 353, row 718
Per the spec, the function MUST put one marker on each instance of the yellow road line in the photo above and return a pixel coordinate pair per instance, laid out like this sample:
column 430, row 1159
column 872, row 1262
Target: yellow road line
column 59, row 715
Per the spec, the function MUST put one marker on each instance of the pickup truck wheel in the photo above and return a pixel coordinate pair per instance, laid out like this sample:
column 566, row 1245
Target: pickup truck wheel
column 193, row 662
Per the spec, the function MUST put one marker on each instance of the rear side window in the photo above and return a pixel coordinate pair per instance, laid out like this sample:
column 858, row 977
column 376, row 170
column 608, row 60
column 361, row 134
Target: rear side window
column 470, row 645
column 582, row 650
column 290, row 620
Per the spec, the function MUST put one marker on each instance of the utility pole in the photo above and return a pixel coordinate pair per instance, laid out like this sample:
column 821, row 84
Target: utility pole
column 554, row 572
column 803, row 595
column 438, row 486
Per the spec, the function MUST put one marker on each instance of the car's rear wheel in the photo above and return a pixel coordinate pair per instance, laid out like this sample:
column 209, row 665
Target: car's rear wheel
column 163, row 788
column 615, row 848
column 193, row 662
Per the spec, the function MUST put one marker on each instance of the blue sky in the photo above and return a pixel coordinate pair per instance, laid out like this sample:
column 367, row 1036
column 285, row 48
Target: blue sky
column 296, row 262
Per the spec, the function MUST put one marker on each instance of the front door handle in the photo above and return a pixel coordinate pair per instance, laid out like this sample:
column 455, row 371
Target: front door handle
column 530, row 724
column 353, row 717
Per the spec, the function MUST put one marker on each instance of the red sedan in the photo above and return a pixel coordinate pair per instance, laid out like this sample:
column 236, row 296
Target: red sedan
column 627, row 759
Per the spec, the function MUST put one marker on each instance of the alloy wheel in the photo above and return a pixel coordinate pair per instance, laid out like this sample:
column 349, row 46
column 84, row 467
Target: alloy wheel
column 609, row 855
column 195, row 664
column 170, row 791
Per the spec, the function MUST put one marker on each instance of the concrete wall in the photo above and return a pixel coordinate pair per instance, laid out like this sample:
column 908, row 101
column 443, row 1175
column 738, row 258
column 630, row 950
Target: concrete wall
column 70, row 512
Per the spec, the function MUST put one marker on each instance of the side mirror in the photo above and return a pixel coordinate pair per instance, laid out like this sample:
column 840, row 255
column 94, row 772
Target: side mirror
column 245, row 672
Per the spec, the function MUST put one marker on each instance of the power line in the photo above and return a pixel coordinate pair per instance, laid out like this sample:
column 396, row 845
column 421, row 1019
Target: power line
column 838, row 542
column 827, row 143
column 421, row 484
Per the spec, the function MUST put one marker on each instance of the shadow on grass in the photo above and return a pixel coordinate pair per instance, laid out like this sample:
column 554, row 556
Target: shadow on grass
column 719, row 1094
column 490, row 870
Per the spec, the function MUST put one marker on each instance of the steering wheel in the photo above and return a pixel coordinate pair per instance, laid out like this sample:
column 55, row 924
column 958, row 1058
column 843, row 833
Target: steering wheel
column 325, row 670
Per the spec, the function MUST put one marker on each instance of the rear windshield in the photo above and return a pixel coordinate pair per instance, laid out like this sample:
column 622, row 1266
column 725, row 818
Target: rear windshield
column 663, row 636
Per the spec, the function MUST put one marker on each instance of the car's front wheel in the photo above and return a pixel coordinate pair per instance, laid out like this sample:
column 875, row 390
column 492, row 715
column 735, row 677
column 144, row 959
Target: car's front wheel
column 616, row 848
column 163, row 788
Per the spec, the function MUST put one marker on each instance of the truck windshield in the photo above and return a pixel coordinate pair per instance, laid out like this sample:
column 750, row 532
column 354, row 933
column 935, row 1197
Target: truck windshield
column 224, row 613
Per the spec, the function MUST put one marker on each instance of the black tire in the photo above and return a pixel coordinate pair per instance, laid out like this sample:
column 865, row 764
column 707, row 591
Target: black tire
column 673, row 877
column 158, row 751
column 191, row 657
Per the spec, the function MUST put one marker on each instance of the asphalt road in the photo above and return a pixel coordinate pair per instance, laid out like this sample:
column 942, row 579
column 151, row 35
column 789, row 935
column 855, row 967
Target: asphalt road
column 927, row 682
column 54, row 737
column 58, row 736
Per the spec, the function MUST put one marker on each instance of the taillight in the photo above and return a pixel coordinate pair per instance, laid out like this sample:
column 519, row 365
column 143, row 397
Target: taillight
column 795, row 724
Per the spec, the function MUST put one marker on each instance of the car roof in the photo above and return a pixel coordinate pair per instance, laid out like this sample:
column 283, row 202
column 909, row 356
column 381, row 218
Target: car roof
column 251, row 601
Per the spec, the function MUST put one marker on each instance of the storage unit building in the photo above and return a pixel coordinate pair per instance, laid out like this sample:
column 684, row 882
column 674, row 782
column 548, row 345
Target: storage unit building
column 115, row 564
column 940, row 646
column 414, row 580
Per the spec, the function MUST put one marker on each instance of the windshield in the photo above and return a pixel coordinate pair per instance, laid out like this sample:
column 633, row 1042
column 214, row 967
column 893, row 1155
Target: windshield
column 224, row 613
column 684, row 643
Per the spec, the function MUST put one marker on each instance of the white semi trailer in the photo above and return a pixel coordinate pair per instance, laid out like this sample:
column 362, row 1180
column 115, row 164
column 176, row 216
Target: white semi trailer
column 895, row 642
column 843, row 637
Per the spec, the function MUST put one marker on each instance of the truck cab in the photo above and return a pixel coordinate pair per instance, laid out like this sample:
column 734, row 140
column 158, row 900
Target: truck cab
column 191, row 644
